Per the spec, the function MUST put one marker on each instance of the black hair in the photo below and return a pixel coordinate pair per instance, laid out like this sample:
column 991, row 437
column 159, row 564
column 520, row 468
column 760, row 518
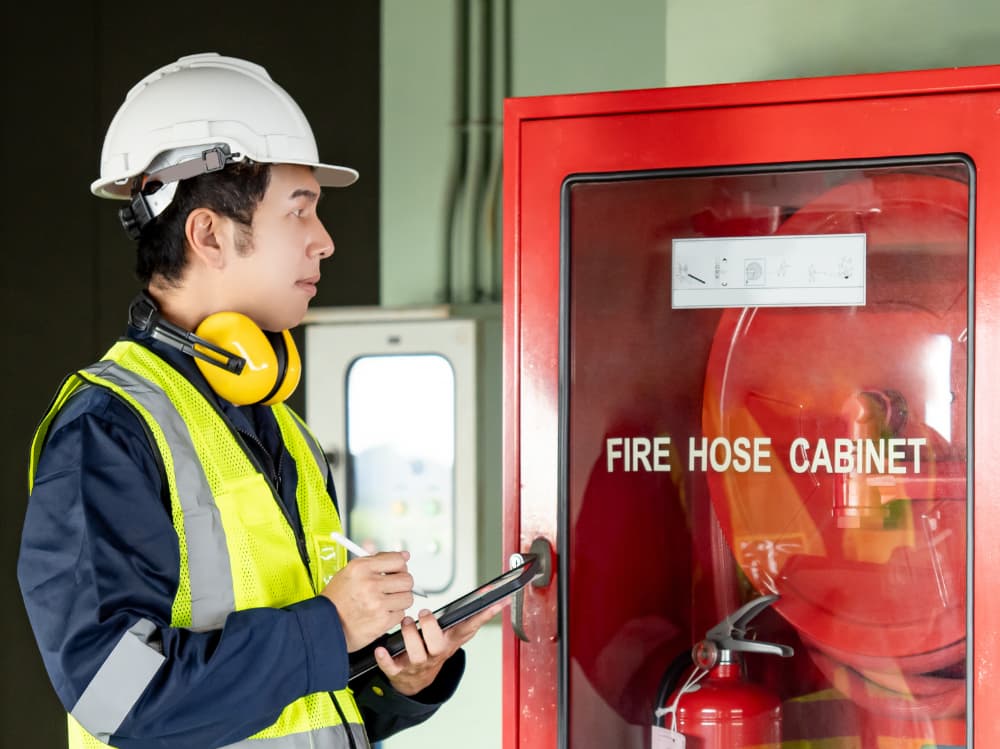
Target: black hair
column 234, row 192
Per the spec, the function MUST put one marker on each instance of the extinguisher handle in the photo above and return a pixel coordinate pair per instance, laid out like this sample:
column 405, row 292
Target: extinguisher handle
column 737, row 622
column 729, row 633
column 755, row 646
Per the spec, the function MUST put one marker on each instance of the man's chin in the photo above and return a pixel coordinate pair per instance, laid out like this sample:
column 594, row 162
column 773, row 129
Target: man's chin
column 283, row 322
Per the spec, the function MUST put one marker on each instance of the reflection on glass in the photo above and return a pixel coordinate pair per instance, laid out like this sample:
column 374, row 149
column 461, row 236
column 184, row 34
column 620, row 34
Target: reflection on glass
column 817, row 451
column 401, row 453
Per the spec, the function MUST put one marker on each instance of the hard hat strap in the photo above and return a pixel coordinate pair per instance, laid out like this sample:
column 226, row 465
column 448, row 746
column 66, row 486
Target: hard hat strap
column 155, row 191
column 135, row 215
column 210, row 160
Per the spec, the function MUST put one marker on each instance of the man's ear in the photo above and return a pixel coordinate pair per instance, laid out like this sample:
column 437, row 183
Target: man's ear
column 206, row 233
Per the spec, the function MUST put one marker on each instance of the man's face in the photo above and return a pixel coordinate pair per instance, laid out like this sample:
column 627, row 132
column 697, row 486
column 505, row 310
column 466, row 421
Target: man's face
column 274, row 276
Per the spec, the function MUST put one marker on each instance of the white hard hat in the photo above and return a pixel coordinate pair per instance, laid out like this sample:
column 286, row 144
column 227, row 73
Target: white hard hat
column 214, row 102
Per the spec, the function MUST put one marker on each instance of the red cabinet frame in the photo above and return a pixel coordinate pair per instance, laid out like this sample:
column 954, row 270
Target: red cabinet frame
column 548, row 139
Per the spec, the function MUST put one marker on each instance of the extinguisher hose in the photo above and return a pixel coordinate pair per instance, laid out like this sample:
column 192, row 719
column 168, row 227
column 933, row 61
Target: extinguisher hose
column 668, row 683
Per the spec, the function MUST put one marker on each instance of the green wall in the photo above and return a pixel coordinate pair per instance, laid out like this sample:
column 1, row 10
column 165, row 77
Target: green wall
column 711, row 41
column 419, row 79
column 566, row 46
column 556, row 46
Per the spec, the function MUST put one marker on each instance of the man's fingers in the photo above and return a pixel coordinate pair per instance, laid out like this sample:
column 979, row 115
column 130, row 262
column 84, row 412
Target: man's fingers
column 416, row 651
column 387, row 663
column 397, row 602
column 371, row 595
column 465, row 630
column 434, row 638
column 397, row 582
column 383, row 563
column 492, row 611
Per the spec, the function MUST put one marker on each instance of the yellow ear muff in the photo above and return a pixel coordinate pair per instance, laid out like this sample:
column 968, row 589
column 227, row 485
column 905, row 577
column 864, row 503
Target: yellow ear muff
column 239, row 334
column 293, row 371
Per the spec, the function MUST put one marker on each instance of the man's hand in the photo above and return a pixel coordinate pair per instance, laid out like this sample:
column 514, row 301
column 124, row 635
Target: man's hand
column 417, row 667
column 371, row 595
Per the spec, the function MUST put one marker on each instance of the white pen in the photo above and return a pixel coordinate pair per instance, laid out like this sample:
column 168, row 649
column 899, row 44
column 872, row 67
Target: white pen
column 360, row 551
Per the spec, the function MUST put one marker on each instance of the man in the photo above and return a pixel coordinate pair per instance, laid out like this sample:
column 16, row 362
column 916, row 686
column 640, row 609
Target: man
column 176, row 561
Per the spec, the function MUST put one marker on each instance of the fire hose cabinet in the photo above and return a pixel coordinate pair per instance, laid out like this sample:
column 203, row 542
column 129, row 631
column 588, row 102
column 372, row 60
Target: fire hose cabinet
column 750, row 337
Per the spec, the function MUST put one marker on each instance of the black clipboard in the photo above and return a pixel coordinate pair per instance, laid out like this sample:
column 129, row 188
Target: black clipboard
column 487, row 594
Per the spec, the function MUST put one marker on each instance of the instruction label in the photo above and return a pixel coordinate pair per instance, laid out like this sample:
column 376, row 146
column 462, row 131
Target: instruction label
column 812, row 270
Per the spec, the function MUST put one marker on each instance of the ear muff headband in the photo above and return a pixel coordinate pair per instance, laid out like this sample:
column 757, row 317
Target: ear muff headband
column 291, row 368
column 241, row 363
column 144, row 315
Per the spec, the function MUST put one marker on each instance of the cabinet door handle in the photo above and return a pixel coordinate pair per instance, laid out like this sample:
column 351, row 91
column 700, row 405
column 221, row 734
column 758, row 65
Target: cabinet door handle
column 542, row 549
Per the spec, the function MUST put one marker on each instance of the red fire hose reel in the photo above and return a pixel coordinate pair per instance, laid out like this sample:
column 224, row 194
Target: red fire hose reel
column 860, row 523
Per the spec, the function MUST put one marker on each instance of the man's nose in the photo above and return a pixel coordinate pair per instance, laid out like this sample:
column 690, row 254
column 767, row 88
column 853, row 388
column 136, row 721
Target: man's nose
column 322, row 244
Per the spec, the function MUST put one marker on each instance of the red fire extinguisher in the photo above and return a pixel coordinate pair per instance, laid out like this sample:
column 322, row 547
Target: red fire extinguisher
column 717, row 707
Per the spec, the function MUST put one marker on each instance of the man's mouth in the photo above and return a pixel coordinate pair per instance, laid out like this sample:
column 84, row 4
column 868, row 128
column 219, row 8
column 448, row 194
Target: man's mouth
column 308, row 284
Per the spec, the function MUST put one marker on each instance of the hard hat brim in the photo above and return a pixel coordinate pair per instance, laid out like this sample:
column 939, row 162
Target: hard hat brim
column 328, row 175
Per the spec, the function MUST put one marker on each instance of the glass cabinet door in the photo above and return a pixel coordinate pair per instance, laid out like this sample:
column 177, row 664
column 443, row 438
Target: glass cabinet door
column 767, row 393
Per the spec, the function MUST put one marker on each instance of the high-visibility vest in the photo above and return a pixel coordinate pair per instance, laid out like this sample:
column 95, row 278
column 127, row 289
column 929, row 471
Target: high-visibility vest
column 238, row 550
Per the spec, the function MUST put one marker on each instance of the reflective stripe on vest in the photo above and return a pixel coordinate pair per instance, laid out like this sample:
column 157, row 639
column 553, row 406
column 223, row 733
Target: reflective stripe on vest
column 323, row 738
column 237, row 548
column 320, row 738
column 211, row 591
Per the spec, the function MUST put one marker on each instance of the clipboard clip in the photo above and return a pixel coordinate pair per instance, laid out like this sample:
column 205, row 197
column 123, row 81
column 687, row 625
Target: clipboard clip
column 541, row 551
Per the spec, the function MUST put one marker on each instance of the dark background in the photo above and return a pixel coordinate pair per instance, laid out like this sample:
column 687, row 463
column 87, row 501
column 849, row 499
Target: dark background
column 67, row 266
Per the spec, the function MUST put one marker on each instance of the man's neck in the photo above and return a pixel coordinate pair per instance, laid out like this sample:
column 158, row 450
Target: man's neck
column 184, row 305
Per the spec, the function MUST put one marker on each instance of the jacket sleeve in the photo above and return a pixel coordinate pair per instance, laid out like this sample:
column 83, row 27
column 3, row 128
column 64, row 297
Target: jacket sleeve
column 98, row 569
column 386, row 711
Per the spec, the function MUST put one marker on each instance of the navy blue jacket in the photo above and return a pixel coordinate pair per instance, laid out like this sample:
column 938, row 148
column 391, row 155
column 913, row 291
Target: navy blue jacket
column 99, row 552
